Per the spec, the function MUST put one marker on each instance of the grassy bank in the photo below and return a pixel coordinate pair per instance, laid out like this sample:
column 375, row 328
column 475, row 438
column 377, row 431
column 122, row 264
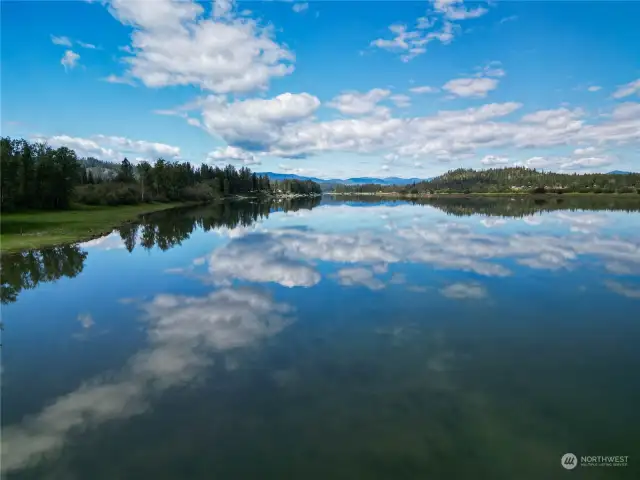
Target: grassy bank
column 36, row 229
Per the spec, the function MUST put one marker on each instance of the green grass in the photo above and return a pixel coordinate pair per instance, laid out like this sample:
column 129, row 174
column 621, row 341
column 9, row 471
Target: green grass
column 36, row 229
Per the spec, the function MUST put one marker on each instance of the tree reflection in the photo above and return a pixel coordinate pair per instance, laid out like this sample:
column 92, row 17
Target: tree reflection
column 26, row 270
column 502, row 205
column 165, row 230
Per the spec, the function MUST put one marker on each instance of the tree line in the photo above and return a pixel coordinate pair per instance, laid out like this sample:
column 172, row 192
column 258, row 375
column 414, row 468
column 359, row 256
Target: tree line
column 512, row 179
column 164, row 230
column 36, row 176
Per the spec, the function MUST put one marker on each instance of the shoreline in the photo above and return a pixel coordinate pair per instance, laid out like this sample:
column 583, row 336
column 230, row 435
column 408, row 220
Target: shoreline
column 39, row 229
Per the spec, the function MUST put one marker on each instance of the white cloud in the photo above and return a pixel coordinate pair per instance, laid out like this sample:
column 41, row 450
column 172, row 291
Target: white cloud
column 285, row 126
column 174, row 44
column 356, row 103
column 626, row 111
column 462, row 290
column 628, row 89
column 470, row 87
column 494, row 160
column 411, row 43
column 111, row 148
column 454, row 10
column 300, row 7
column 424, row 89
column 594, row 88
column 582, row 163
column 233, row 154
column 477, row 86
column 400, row 100
column 256, row 124
column 121, row 80
column 584, row 151
column 65, row 41
column 89, row 46
column 69, row 59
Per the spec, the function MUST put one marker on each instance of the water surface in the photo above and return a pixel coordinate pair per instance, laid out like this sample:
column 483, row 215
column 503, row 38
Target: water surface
column 357, row 338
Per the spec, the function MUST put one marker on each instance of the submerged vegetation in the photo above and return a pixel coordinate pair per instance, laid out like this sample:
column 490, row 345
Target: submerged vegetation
column 36, row 176
column 508, row 180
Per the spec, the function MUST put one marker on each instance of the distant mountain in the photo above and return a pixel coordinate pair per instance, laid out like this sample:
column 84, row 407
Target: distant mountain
column 347, row 181
column 619, row 172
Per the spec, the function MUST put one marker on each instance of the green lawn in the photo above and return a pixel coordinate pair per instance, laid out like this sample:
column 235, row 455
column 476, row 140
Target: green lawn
column 25, row 230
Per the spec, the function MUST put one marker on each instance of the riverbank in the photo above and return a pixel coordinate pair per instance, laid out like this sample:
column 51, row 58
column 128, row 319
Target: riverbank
column 37, row 229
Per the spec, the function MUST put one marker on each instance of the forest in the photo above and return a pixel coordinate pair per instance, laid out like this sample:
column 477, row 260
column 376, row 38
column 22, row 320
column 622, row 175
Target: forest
column 36, row 176
column 509, row 180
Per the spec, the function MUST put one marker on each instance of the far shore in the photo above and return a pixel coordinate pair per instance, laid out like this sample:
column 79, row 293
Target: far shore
column 478, row 194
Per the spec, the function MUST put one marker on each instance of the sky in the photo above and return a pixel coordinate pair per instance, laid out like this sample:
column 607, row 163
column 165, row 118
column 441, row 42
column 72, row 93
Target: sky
column 330, row 89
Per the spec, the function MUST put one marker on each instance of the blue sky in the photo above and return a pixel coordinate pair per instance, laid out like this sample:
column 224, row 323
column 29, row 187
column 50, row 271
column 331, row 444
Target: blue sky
column 329, row 89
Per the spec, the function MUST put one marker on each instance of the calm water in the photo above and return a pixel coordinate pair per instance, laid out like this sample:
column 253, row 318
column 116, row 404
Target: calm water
column 356, row 339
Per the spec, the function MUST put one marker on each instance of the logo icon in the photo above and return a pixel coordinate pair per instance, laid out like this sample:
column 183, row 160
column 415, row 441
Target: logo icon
column 569, row 461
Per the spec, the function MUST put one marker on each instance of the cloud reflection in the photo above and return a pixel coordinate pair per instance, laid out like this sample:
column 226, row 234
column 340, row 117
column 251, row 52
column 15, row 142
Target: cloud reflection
column 289, row 256
column 182, row 332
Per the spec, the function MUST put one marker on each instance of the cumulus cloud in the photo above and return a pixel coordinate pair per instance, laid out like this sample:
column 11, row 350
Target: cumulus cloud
column 627, row 89
column 356, row 103
column 594, row 88
column 477, row 86
column 69, row 60
column 256, row 124
column 233, row 154
column 470, row 87
column 182, row 332
column 173, row 43
column 112, row 148
column 286, row 126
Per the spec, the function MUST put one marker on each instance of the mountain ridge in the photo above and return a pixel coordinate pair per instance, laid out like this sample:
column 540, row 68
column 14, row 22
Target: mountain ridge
column 346, row 181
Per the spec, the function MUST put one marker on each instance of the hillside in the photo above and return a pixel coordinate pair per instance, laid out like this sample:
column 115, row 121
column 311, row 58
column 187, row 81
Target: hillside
column 515, row 179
